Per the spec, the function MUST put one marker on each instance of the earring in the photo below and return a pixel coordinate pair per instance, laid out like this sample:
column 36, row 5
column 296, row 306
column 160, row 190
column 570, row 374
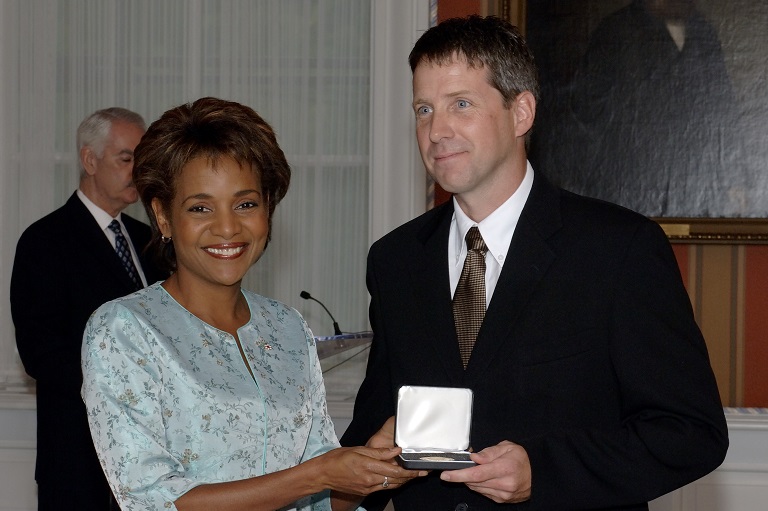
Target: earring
column 166, row 240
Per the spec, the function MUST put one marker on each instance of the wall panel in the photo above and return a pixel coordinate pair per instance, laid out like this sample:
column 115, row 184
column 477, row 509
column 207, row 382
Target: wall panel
column 756, row 327
column 728, row 287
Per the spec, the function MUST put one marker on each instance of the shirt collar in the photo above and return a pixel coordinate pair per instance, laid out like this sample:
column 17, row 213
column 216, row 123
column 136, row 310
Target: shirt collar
column 497, row 228
column 102, row 217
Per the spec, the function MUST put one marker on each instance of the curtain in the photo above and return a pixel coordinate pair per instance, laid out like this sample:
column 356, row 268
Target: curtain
column 303, row 65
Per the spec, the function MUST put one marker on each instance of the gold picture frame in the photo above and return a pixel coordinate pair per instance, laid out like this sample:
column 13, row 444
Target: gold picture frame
column 513, row 11
column 739, row 231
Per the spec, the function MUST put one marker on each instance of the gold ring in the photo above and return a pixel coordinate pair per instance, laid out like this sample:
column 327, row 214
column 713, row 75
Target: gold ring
column 385, row 484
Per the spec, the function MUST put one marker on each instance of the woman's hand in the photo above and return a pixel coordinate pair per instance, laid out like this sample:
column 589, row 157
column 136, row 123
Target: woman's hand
column 382, row 442
column 364, row 470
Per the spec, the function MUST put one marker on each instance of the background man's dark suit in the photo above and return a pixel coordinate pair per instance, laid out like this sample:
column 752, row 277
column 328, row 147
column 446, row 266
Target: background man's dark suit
column 589, row 356
column 65, row 268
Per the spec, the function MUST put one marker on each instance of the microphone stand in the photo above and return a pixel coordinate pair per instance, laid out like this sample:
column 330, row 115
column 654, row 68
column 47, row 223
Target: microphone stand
column 336, row 329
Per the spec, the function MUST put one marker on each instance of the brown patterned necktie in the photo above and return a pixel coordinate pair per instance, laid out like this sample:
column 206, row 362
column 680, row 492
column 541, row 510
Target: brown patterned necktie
column 469, row 298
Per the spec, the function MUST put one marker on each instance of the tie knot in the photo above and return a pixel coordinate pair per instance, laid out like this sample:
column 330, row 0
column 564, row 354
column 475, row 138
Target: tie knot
column 475, row 240
column 114, row 226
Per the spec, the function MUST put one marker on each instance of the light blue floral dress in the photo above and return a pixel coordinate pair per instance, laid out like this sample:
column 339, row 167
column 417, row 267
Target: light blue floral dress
column 171, row 404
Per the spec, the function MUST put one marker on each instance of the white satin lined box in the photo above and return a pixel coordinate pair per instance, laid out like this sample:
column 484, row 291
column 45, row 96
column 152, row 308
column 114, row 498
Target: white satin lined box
column 432, row 427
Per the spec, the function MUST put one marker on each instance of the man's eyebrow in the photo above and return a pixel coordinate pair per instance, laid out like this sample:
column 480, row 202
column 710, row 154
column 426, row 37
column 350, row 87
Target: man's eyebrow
column 465, row 92
column 454, row 94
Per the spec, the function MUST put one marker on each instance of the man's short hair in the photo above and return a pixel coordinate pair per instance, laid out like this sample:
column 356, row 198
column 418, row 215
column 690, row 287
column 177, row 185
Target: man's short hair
column 483, row 42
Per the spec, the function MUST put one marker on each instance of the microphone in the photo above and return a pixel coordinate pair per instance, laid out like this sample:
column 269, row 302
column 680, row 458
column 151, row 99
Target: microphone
column 307, row 296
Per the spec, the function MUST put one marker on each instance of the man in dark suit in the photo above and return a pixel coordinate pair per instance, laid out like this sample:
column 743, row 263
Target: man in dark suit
column 66, row 266
column 592, row 384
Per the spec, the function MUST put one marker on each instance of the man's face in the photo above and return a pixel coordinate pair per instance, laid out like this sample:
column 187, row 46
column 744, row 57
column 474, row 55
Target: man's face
column 467, row 138
column 111, row 172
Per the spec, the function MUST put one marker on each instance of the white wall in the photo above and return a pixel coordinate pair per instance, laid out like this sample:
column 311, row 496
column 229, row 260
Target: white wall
column 18, row 491
column 398, row 179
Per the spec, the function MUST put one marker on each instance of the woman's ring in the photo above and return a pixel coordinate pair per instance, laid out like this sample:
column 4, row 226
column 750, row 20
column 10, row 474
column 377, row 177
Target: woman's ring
column 385, row 484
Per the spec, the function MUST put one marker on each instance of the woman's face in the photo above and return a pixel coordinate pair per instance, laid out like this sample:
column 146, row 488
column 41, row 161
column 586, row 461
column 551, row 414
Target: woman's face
column 218, row 220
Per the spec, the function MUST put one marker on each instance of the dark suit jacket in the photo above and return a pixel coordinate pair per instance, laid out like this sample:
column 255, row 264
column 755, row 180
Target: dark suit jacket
column 588, row 356
column 64, row 269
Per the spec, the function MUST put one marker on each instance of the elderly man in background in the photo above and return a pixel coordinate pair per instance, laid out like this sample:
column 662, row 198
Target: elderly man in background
column 67, row 264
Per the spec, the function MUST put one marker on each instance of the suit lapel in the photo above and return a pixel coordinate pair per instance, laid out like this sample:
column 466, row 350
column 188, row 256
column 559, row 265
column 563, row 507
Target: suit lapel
column 433, row 293
column 100, row 250
column 528, row 259
column 140, row 236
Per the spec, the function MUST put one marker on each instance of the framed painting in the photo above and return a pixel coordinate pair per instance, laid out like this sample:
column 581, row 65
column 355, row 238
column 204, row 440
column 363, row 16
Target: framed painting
column 658, row 105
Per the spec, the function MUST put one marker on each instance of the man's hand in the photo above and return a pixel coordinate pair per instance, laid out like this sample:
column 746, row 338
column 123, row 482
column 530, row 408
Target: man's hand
column 503, row 473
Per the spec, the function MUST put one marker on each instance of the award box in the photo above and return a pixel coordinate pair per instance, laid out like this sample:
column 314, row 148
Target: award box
column 432, row 426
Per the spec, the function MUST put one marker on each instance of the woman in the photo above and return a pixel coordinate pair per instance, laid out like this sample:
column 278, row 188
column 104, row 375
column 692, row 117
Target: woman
column 200, row 394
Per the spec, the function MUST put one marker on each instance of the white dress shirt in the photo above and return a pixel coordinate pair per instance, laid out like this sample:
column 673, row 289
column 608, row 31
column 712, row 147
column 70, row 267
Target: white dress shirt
column 496, row 229
column 104, row 219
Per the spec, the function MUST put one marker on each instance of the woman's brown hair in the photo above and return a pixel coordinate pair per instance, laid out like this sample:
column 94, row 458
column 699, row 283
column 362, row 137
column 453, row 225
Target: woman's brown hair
column 211, row 128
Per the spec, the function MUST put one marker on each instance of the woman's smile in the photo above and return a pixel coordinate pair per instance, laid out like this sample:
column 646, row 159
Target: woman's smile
column 226, row 250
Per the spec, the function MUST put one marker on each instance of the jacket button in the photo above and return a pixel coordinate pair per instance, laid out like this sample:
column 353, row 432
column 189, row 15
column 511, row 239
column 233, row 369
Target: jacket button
column 462, row 507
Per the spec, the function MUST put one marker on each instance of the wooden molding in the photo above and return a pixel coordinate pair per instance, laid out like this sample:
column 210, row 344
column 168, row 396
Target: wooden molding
column 742, row 231
column 510, row 10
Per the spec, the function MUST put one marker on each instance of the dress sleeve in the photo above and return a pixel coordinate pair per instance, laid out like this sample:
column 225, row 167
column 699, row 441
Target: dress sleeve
column 121, row 383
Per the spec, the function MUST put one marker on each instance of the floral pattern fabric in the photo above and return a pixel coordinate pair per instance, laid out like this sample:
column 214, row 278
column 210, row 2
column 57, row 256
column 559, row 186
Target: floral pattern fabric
column 171, row 404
